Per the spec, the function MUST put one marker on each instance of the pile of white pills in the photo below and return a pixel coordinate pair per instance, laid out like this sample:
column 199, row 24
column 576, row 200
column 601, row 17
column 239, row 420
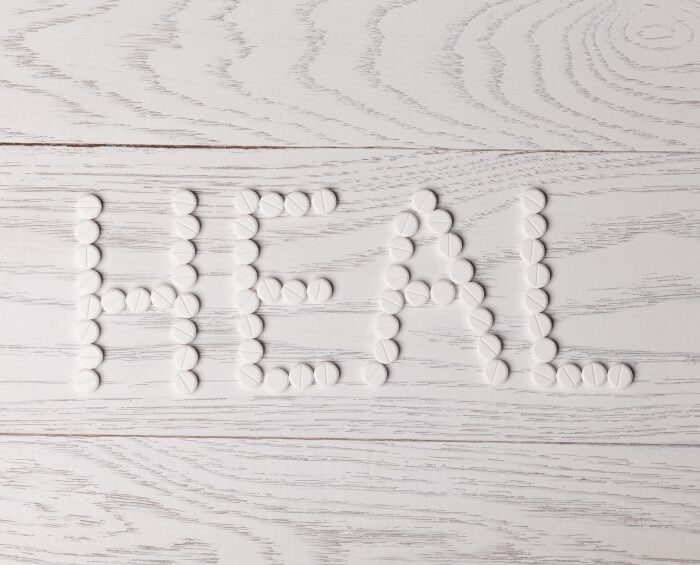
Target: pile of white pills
column 545, row 350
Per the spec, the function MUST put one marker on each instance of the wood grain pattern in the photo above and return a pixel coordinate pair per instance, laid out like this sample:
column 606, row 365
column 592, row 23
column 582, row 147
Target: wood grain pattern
column 593, row 74
column 623, row 247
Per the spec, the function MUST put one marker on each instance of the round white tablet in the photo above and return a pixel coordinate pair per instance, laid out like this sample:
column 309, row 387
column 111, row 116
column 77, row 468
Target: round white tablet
column 89, row 207
column 294, row 292
column 544, row 375
column 250, row 326
column 301, row 376
column 245, row 251
column 442, row 292
column 87, row 231
column 480, row 320
column 113, row 301
column 182, row 251
column 86, row 381
column 87, row 256
column 163, row 296
column 539, row 325
column 90, row 356
column 246, row 201
column 417, row 293
column 391, row 301
column 535, row 226
column 319, row 291
column 594, row 375
column 184, row 277
column 538, row 275
column 375, row 373
column 326, row 373
column 534, row 200
column 185, row 382
column 271, row 205
column 536, row 300
column 185, row 306
column 186, row 227
column 450, row 245
column 620, row 376
column 569, row 375
column 250, row 376
column 472, row 294
column 138, row 300
column 532, row 251
column 386, row 326
column 251, row 350
column 397, row 277
column 87, row 331
column 386, row 351
column 276, row 380
column 88, row 282
column 296, row 204
column 401, row 248
column 324, row 201
column 496, row 371
column 244, row 276
column 440, row 221
column 461, row 271
column 545, row 349
column 89, row 307
column 184, row 331
column 245, row 227
column 184, row 202
column 268, row 290
column 489, row 346
column 247, row 301
column 406, row 224
column 424, row 201
column 185, row 358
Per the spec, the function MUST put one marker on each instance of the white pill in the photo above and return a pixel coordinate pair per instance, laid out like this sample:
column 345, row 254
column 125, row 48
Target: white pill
column 538, row 275
column 185, row 382
column 535, row 226
column 296, row 204
column 480, row 320
column 90, row 356
column 185, row 306
column 184, row 202
column 594, row 375
column 489, row 346
column 397, row 277
column 472, row 294
column 268, row 290
column 545, row 349
column 113, row 301
column 271, row 205
column 450, row 245
column 245, row 227
column 569, row 375
column 406, row 224
column 301, row 376
column 461, row 271
column 294, row 292
column 89, row 207
column 276, row 381
column 440, row 221
column 185, row 358
column 251, row 350
column 386, row 351
column 326, row 373
column 184, row 277
column 246, row 201
column 182, row 251
column 184, row 331
column 496, row 372
column 250, row 326
column 87, row 256
column 442, row 292
column 401, row 248
column 324, row 201
column 532, row 251
column 138, row 300
column 88, row 282
column 386, row 326
column 245, row 251
column 244, row 276
column 417, row 293
column 86, row 381
column 89, row 307
column 620, row 376
column 250, row 376
column 187, row 227
column 539, row 325
column 319, row 291
column 424, row 201
column 375, row 373
column 87, row 231
column 534, row 200
column 163, row 296
column 391, row 301
column 87, row 331
column 536, row 300
column 247, row 301
column 544, row 375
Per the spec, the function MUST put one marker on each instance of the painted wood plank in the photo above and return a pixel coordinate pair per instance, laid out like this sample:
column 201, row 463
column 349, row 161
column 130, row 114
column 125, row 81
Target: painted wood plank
column 623, row 247
column 461, row 74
